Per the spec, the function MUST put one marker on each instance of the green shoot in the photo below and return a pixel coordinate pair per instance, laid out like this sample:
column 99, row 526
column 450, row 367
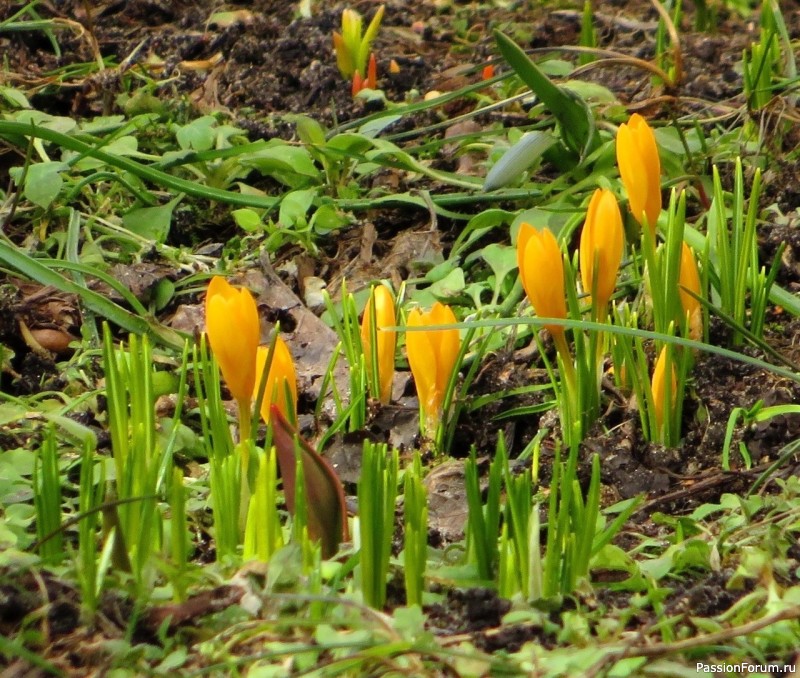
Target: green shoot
column 47, row 499
column 348, row 329
column 588, row 37
column 377, row 492
column 415, row 536
column 483, row 521
column 734, row 256
column 352, row 46
column 90, row 576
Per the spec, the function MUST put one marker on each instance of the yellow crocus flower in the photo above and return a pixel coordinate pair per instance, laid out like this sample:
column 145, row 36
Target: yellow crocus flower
column 281, row 373
column 640, row 169
column 386, row 340
column 432, row 356
column 658, row 387
column 541, row 268
column 234, row 331
column 601, row 249
column 689, row 279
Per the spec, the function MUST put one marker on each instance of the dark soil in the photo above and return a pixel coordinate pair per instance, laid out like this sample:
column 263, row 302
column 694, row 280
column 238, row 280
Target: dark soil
column 269, row 64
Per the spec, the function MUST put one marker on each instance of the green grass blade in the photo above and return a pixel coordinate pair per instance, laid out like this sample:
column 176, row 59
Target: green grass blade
column 94, row 301
column 572, row 113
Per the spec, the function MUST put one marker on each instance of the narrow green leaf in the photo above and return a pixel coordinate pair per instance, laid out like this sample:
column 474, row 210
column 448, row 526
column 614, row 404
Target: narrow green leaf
column 573, row 115
column 94, row 301
column 522, row 155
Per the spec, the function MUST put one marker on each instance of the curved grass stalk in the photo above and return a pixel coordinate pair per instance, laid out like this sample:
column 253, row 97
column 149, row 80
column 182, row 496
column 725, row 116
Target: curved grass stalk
column 42, row 273
column 192, row 188
column 623, row 331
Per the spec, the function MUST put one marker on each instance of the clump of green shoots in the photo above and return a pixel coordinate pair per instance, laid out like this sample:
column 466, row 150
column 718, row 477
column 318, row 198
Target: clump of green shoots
column 47, row 500
column 345, row 323
column 91, row 571
column 761, row 63
column 143, row 462
column 483, row 520
column 377, row 493
column 224, row 468
column 503, row 535
column 352, row 47
column 733, row 241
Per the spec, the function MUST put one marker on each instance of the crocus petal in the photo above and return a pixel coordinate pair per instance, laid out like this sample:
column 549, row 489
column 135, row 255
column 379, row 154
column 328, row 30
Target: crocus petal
column 446, row 345
column 386, row 340
column 421, row 360
column 432, row 357
column 281, row 374
column 601, row 246
column 648, row 152
column 233, row 330
column 640, row 169
column 659, row 385
column 542, row 272
column 689, row 279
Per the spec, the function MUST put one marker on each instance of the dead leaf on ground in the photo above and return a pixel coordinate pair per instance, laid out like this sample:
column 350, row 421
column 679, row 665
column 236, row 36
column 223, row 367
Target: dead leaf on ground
column 447, row 500
column 141, row 278
column 412, row 253
column 311, row 341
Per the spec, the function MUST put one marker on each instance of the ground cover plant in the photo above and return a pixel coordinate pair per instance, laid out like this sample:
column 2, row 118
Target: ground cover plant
column 369, row 339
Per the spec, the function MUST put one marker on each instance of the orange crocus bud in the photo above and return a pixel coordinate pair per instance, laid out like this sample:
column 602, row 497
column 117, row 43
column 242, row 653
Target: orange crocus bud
column 233, row 332
column 281, row 374
column 689, row 279
column 372, row 73
column 659, row 386
column 541, row 268
column 432, row 356
column 601, row 249
column 358, row 83
column 640, row 169
column 386, row 340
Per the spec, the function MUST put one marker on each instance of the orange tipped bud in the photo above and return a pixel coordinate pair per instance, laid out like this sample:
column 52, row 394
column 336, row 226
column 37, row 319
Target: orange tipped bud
column 541, row 269
column 233, row 330
column 640, row 169
column 601, row 249
column 383, row 303
column 432, row 356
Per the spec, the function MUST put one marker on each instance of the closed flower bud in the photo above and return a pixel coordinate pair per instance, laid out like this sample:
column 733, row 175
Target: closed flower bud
column 659, row 386
column 601, row 249
column 386, row 340
column 541, row 269
column 640, row 169
column 281, row 375
column 432, row 356
column 689, row 279
column 233, row 330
